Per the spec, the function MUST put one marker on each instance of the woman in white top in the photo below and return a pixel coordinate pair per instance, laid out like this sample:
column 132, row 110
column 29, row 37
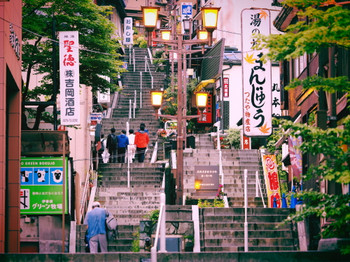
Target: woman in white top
column 131, row 146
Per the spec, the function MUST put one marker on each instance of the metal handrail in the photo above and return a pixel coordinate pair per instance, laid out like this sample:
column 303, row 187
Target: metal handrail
column 134, row 60
column 141, row 83
column 245, row 210
column 155, row 152
column 150, row 55
column 258, row 187
column 134, row 104
column 161, row 225
column 85, row 196
column 149, row 70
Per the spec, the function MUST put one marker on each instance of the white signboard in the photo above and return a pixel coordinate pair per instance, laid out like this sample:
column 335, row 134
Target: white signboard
column 69, row 78
column 276, row 99
column 128, row 32
column 257, row 104
column 103, row 97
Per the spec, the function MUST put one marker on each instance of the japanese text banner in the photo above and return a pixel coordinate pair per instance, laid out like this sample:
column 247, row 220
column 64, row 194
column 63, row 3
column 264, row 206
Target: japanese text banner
column 69, row 78
column 271, row 180
column 257, row 83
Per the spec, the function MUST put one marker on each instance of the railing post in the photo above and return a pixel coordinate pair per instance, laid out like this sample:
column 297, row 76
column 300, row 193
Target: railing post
column 141, row 89
column 162, row 224
column 196, row 228
column 256, row 184
column 128, row 172
column 145, row 63
column 129, row 108
column 133, row 57
column 245, row 211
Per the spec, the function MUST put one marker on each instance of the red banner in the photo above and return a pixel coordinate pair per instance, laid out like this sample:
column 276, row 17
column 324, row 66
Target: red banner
column 207, row 116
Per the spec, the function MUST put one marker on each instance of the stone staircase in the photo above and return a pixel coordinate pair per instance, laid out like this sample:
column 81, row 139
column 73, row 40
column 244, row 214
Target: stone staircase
column 222, row 229
column 144, row 112
column 131, row 204
column 234, row 162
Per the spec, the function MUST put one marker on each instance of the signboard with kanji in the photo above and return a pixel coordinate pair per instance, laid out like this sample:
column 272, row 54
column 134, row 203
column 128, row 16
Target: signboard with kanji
column 257, row 83
column 69, row 78
column 226, row 90
column 41, row 187
column 206, row 116
column 128, row 32
column 206, row 178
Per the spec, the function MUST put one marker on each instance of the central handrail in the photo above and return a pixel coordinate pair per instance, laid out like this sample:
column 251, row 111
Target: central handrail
column 258, row 187
column 160, row 226
column 148, row 69
column 134, row 60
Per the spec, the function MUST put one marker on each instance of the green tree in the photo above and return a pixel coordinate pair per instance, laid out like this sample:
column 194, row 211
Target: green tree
column 98, row 48
column 319, row 27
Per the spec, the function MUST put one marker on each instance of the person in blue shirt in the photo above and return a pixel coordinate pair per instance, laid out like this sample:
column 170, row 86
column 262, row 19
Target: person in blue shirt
column 123, row 142
column 96, row 222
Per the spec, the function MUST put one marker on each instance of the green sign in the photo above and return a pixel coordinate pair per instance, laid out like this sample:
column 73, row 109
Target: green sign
column 42, row 185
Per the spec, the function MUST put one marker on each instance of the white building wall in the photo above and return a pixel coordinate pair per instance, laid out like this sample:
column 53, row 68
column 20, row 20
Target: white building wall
column 229, row 27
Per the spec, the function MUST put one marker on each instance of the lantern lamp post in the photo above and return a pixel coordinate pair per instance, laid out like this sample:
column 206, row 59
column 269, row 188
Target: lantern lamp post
column 150, row 18
column 180, row 49
column 210, row 20
column 201, row 100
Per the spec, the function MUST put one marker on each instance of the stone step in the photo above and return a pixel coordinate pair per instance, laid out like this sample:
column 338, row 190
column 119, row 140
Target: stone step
column 262, row 226
column 251, row 242
column 239, row 234
column 250, row 211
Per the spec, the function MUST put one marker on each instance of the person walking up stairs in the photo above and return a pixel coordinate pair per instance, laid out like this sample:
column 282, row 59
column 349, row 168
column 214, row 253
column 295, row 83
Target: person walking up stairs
column 131, row 194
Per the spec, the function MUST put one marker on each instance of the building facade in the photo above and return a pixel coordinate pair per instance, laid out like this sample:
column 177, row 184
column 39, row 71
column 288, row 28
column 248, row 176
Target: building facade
column 10, row 123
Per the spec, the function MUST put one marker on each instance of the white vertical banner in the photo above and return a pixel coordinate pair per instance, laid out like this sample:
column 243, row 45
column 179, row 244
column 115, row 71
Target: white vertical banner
column 257, row 83
column 276, row 98
column 128, row 32
column 69, row 78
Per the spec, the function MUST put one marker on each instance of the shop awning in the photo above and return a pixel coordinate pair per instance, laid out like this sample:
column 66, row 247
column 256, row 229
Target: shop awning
column 203, row 84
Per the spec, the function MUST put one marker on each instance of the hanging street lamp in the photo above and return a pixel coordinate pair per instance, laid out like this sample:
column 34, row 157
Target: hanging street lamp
column 201, row 100
column 150, row 18
column 210, row 20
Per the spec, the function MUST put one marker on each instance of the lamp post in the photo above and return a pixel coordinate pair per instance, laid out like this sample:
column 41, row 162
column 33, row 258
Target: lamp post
column 210, row 20
column 150, row 18
column 180, row 50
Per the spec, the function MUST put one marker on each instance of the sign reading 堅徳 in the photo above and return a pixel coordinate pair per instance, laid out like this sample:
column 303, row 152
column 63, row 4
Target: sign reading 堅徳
column 69, row 78
column 257, row 104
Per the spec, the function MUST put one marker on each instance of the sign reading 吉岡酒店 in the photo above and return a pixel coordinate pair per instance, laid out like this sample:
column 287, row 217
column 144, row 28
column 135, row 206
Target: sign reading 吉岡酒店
column 128, row 32
column 69, row 78
column 257, row 104
column 41, row 189
column 271, row 180
column 206, row 178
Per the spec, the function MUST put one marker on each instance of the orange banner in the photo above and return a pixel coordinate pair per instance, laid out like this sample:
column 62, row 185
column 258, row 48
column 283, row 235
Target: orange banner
column 271, row 180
